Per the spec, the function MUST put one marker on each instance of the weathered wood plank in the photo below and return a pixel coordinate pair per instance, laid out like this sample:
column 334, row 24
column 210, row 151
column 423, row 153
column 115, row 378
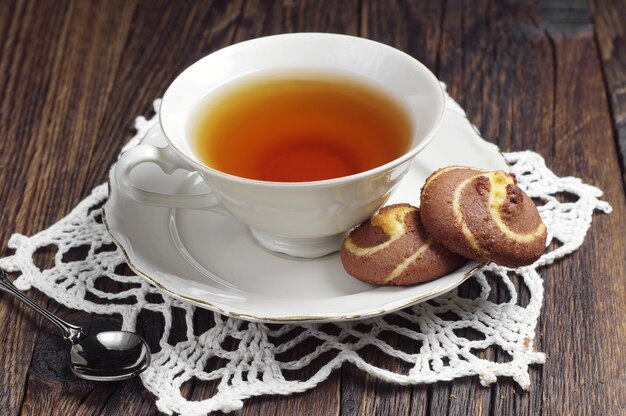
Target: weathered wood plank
column 57, row 87
column 609, row 18
column 21, row 106
column 586, row 291
column 510, row 83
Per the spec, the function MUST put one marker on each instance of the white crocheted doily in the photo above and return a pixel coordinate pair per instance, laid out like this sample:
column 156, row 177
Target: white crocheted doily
column 448, row 335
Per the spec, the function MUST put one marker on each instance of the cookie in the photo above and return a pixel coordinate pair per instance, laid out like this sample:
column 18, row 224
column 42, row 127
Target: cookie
column 393, row 248
column 482, row 215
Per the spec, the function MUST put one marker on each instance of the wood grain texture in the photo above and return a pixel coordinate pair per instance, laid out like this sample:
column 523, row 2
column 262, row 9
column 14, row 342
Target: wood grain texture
column 609, row 18
column 547, row 77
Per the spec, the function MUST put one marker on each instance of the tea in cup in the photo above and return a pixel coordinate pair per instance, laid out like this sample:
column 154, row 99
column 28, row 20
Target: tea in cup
column 300, row 136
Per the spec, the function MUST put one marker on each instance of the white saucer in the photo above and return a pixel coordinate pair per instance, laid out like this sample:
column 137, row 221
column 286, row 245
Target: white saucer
column 212, row 261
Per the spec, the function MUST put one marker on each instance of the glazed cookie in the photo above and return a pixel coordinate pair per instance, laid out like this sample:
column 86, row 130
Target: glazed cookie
column 483, row 216
column 392, row 248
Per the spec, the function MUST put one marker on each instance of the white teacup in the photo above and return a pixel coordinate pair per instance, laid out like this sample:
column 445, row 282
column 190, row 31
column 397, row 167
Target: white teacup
column 302, row 219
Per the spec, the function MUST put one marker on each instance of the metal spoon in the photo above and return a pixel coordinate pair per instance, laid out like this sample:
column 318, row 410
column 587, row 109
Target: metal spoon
column 103, row 356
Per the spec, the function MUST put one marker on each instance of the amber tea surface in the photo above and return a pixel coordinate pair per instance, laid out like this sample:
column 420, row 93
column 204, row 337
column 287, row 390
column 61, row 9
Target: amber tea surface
column 300, row 128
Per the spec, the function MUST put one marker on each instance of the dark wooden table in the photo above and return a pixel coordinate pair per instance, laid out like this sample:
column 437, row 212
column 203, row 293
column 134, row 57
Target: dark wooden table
column 549, row 77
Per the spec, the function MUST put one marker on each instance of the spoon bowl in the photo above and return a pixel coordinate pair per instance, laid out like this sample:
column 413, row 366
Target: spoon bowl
column 109, row 356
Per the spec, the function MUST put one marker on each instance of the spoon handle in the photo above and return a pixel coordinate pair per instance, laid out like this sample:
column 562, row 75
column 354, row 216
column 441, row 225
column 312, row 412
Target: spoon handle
column 71, row 332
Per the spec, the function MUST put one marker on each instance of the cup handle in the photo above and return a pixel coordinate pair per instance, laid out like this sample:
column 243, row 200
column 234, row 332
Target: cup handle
column 168, row 161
